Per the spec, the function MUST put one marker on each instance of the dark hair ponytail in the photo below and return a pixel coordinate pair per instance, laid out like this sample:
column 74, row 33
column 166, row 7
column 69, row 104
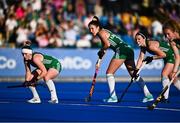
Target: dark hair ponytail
column 27, row 47
column 95, row 18
column 27, row 43
column 95, row 21
column 144, row 33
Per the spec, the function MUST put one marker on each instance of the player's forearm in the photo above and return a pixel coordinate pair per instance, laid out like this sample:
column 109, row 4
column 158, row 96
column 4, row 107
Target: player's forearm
column 176, row 64
column 28, row 72
column 159, row 56
column 28, row 76
column 139, row 63
column 176, row 56
column 140, row 60
column 27, row 66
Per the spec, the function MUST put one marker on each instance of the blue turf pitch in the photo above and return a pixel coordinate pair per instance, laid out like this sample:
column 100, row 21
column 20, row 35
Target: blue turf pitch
column 72, row 107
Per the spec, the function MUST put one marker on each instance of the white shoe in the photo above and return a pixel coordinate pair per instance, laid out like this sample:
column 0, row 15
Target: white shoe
column 54, row 101
column 148, row 98
column 34, row 100
column 111, row 99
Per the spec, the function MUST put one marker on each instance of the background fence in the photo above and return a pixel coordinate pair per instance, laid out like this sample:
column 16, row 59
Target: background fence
column 76, row 63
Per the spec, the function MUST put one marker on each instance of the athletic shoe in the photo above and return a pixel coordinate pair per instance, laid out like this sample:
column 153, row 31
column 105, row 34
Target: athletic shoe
column 55, row 101
column 34, row 100
column 111, row 99
column 148, row 98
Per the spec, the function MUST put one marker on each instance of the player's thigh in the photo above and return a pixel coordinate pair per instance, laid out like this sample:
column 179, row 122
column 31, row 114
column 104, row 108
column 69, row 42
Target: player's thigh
column 167, row 70
column 114, row 65
column 51, row 74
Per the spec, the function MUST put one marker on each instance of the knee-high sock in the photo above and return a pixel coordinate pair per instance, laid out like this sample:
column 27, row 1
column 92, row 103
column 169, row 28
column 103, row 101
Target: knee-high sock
column 165, row 81
column 34, row 92
column 177, row 84
column 52, row 89
column 143, row 86
column 111, row 83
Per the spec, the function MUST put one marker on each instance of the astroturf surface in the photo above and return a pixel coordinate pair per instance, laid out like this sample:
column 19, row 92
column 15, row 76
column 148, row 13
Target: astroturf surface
column 73, row 108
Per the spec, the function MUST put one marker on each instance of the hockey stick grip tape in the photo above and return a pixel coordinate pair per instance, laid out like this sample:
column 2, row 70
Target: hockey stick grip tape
column 143, row 64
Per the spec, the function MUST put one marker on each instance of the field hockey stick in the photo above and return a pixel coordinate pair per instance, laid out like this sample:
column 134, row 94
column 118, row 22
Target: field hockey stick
column 132, row 80
column 87, row 99
column 24, row 86
column 161, row 95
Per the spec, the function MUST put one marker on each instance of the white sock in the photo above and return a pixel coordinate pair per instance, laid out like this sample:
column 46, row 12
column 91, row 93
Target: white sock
column 34, row 92
column 111, row 83
column 165, row 81
column 143, row 86
column 177, row 84
column 52, row 89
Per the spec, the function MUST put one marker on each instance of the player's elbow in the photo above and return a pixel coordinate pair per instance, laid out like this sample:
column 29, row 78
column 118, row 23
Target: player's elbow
column 162, row 56
column 107, row 45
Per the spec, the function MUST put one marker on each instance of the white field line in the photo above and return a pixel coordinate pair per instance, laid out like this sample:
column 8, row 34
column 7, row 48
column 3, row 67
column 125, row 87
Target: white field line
column 117, row 106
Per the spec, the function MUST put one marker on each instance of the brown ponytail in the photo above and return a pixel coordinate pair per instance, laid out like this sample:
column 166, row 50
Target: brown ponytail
column 95, row 21
column 172, row 25
column 27, row 43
